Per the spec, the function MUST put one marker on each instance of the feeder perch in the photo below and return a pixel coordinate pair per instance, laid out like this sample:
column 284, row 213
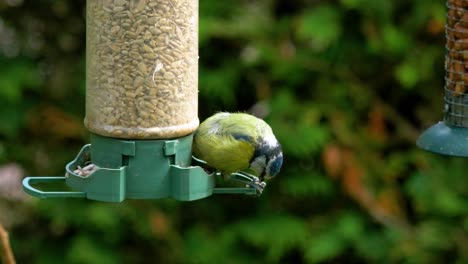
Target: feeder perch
column 141, row 106
column 450, row 136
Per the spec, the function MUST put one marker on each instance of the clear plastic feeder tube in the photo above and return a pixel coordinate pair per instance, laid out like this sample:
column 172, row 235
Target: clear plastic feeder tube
column 142, row 68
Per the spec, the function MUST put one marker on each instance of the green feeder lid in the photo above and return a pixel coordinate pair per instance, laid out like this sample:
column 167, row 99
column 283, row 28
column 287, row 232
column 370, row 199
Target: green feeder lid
column 445, row 139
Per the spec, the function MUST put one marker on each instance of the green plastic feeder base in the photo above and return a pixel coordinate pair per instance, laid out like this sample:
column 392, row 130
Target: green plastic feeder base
column 445, row 139
column 135, row 169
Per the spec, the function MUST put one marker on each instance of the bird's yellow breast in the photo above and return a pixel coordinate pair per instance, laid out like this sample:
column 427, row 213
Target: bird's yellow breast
column 223, row 152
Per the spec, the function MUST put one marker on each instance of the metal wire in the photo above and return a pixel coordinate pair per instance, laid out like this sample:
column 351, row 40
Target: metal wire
column 456, row 64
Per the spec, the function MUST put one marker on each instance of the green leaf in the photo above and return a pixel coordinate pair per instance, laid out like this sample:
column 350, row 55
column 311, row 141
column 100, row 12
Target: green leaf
column 432, row 234
column 324, row 246
column 218, row 85
column 350, row 226
column 351, row 3
column 297, row 126
column 15, row 78
column 289, row 232
column 373, row 246
column 11, row 119
column 451, row 204
column 321, row 26
column 407, row 74
column 395, row 40
column 84, row 250
column 206, row 246
column 102, row 216
column 300, row 184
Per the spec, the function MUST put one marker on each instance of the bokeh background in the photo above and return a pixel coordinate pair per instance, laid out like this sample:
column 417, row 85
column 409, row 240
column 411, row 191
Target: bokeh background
column 347, row 85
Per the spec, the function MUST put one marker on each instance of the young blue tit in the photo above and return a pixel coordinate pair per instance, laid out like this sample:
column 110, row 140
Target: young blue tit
column 238, row 142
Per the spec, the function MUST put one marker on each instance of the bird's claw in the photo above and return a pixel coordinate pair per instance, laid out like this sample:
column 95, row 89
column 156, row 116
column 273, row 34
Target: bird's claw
column 251, row 180
column 258, row 186
column 255, row 183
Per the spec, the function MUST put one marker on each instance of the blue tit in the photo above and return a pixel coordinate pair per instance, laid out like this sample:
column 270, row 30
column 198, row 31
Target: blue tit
column 238, row 142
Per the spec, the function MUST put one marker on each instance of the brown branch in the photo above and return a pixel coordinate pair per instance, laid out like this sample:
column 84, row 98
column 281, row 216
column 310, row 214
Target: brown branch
column 6, row 254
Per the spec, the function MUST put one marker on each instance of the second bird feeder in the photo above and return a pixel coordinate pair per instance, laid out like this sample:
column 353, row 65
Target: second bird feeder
column 141, row 105
column 450, row 137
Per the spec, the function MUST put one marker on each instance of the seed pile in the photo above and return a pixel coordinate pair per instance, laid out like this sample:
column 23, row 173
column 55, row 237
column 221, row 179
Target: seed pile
column 456, row 63
column 142, row 68
column 86, row 170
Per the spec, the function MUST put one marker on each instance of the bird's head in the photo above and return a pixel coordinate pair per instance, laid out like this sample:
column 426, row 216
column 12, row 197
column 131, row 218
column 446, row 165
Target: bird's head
column 267, row 160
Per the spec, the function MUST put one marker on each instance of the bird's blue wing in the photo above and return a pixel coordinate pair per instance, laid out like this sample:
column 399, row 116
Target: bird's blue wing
column 243, row 137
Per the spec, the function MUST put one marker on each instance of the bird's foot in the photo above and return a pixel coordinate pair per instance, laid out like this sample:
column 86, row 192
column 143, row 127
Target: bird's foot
column 251, row 180
column 258, row 186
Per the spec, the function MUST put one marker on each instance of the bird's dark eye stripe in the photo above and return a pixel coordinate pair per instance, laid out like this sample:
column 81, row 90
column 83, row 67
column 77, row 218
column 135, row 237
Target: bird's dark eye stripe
column 276, row 165
column 261, row 149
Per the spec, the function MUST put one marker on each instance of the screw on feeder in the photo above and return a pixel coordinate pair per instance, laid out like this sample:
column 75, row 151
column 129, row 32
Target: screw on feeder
column 450, row 137
column 141, row 106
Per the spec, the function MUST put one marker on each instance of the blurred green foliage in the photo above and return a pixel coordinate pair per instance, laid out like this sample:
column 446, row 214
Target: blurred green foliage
column 347, row 86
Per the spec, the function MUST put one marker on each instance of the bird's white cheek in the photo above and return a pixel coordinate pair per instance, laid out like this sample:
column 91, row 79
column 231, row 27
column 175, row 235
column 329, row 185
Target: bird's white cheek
column 258, row 164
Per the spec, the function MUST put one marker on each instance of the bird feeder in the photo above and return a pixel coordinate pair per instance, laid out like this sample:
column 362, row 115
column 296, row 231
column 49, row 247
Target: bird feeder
column 141, row 106
column 450, row 136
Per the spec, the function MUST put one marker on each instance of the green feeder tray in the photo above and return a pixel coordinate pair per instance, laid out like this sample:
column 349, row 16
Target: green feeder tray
column 445, row 139
column 135, row 169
